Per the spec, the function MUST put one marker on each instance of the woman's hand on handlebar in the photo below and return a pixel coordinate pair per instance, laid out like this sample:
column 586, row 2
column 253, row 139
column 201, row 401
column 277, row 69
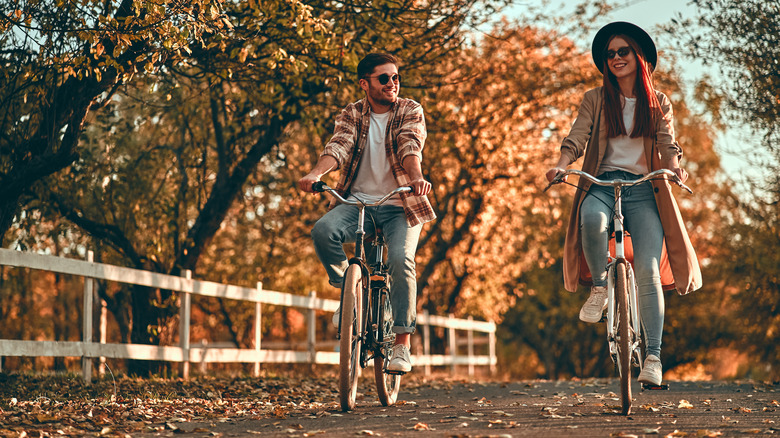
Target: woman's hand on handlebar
column 680, row 172
column 552, row 173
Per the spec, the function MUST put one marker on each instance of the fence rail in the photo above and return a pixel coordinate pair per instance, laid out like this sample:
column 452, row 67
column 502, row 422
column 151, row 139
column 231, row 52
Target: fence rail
column 186, row 353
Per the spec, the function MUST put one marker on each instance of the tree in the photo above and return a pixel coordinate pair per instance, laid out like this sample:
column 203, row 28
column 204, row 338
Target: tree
column 62, row 60
column 740, row 39
column 174, row 148
column 490, row 127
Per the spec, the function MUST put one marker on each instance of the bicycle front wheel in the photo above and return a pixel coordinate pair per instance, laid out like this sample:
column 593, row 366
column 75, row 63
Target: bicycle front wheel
column 637, row 334
column 387, row 385
column 624, row 343
column 349, row 353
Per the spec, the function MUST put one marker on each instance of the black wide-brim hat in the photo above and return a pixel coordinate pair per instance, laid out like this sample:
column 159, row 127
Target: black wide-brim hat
column 636, row 33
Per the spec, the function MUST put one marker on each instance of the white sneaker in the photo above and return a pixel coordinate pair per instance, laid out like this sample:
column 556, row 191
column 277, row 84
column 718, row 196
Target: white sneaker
column 401, row 361
column 336, row 317
column 594, row 306
column 652, row 373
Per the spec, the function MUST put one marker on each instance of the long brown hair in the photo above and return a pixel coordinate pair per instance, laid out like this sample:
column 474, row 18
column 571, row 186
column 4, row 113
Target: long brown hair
column 647, row 106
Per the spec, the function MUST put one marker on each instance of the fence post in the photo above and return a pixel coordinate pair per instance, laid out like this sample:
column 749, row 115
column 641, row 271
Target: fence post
column 492, row 353
column 427, row 342
column 451, row 339
column 470, row 338
column 312, row 326
column 185, row 313
column 258, row 328
column 103, row 331
column 86, row 362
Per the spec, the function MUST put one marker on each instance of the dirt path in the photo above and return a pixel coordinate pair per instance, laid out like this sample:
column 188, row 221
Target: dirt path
column 533, row 408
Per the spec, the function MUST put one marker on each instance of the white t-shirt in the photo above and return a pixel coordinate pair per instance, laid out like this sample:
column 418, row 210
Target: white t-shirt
column 374, row 178
column 623, row 152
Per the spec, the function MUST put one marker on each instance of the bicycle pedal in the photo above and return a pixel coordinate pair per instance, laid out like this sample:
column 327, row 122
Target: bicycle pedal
column 395, row 373
column 661, row 387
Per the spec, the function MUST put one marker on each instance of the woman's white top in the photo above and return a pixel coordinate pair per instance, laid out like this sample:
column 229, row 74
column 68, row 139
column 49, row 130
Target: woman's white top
column 625, row 153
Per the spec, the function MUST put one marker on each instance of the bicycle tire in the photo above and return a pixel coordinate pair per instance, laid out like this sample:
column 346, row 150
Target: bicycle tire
column 387, row 385
column 349, row 345
column 623, row 333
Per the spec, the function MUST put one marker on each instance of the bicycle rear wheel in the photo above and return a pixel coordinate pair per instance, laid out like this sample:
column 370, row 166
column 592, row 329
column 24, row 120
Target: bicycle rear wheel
column 349, row 353
column 624, row 343
column 387, row 385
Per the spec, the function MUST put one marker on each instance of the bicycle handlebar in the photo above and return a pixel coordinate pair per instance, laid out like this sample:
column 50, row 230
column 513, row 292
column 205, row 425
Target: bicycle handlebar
column 665, row 173
column 321, row 187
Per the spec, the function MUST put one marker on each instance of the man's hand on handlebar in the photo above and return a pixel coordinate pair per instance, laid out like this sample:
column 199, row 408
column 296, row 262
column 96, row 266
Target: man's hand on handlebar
column 305, row 183
column 420, row 187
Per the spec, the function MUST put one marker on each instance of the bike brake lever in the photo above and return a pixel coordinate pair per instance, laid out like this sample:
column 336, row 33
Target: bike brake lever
column 558, row 178
column 682, row 185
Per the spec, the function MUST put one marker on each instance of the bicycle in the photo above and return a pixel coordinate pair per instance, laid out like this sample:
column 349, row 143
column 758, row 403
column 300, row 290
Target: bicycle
column 624, row 335
column 365, row 333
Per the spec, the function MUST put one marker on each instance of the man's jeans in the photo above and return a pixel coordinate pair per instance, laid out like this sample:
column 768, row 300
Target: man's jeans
column 647, row 236
column 338, row 227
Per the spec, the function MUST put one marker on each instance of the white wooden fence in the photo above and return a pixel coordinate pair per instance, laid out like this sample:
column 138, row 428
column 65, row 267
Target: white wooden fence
column 187, row 353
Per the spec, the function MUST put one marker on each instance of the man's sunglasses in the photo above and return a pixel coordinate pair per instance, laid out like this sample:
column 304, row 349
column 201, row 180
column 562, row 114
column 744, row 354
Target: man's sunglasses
column 623, row 52
column 384, row 78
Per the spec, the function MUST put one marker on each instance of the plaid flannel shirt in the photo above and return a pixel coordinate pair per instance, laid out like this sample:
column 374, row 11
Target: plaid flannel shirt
column 406, row 135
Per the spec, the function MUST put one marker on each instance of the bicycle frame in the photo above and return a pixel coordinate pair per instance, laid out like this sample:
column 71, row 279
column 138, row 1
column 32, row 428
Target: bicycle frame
column 360, row 254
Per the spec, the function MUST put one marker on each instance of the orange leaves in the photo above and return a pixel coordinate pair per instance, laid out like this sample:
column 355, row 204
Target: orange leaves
column 493, row 123
column 421, row 426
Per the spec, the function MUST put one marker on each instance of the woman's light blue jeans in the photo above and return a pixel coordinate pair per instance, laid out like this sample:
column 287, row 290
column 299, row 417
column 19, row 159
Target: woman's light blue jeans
column 641, row 219
column 338, row 227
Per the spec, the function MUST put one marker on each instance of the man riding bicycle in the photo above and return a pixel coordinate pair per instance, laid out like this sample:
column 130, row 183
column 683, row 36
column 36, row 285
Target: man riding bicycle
column 377, row 143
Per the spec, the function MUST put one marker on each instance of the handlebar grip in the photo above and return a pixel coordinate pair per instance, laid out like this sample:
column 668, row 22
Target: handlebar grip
column 319, row 186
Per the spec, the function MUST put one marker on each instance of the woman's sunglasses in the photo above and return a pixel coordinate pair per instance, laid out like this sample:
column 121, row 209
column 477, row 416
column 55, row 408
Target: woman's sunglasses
column 623, row 52
column 384, row 78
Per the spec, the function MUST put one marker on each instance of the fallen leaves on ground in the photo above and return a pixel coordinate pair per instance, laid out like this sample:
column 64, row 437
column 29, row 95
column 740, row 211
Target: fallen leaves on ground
column 421, row 426
column 64, row 405
column 684, row 404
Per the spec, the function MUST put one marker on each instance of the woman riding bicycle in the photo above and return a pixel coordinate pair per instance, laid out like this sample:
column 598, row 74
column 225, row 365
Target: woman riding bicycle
column 625, row 129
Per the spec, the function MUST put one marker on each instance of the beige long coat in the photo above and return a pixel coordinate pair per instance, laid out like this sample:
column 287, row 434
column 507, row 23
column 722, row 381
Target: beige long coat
column 680, row 267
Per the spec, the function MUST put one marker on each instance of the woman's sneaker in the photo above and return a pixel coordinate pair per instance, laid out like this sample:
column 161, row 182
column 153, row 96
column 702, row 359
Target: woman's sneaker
column 594, row 306
column 652, row 373
column 401, row 361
